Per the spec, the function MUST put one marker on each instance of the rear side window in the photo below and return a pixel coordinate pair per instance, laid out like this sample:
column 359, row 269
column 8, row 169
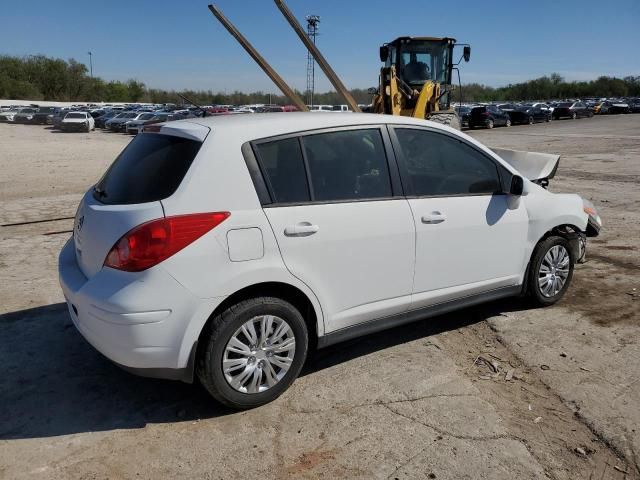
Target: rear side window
column 149, row 169
column 438, row 165
column 347, row 165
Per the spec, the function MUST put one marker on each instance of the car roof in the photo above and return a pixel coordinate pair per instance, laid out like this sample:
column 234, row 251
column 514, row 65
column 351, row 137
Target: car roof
column 262, row 125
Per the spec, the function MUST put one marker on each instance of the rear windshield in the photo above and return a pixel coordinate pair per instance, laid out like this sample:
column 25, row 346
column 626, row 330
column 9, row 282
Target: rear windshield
column 76, row 115
column 149, row 169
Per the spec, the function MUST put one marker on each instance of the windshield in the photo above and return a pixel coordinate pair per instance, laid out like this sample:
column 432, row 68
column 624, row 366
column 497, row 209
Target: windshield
column 565, row 104
column 146, row 116
column 76, row 115
column 422, row 60
column 162, row 117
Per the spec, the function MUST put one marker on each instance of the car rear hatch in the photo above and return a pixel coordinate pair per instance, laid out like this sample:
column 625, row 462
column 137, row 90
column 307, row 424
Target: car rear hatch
column 147, row 171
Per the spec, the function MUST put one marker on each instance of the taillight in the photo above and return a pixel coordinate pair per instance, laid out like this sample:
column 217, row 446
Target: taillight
column 153, row 242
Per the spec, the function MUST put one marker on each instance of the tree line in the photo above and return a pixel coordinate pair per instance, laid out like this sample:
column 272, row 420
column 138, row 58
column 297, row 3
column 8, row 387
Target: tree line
column 38, row 77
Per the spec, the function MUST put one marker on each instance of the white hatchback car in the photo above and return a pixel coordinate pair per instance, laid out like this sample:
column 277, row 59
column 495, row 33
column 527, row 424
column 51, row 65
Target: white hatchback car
column 78, row 122
column 230, row 245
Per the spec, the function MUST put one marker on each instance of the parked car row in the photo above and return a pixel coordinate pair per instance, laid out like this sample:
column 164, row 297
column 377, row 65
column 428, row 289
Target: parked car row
column 528, row 113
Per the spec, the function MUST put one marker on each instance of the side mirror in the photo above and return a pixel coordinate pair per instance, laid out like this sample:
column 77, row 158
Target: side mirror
column 384, row 53
column 466, row 53
column 517, row 185
column 372, row 91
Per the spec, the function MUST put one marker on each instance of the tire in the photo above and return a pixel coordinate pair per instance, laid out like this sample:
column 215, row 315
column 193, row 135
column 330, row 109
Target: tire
column 574, row 115
column 446, row 118
column 531, row 121
column 88, row 128
column 549, row 293
column 212, row 350
column 508, row 123
column 547, row 118
column 489, row 123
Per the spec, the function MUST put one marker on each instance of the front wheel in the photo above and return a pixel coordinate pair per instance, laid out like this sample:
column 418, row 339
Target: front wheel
column 489, row 123
column 574, row 115
column 508, row 123
column 252, row 352
column 550, row 270
column 530, row 120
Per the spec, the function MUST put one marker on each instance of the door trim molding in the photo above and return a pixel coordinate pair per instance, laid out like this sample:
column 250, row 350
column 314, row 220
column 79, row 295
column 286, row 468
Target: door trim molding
column 385, row 323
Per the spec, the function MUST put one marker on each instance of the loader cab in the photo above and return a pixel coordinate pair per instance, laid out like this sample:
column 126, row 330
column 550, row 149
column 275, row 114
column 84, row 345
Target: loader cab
column 418, row 60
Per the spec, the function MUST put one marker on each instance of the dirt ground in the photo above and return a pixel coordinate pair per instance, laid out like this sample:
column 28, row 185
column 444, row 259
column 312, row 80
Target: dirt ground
column 499, row 391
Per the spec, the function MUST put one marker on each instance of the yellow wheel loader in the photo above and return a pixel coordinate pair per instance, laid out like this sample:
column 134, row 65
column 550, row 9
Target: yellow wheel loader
column 415, row 80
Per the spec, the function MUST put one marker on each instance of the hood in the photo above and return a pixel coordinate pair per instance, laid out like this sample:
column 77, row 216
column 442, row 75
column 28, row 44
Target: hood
column 537, row 167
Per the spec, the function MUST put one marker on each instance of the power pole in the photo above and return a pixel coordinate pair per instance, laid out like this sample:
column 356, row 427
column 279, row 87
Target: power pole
column 312, row 32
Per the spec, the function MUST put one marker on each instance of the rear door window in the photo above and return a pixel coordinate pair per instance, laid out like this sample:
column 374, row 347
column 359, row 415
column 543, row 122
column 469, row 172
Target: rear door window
column 149, row 169
column 347, row 165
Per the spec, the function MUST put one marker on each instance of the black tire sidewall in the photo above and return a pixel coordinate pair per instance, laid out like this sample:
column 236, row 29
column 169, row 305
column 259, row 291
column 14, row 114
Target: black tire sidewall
column 225, row 326
column 539, row 252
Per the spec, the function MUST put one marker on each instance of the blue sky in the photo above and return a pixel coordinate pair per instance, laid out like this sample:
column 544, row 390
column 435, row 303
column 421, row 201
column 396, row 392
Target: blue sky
column 179, row 44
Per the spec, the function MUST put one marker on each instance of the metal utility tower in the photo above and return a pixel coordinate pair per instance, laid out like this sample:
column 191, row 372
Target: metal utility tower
column 312, row 32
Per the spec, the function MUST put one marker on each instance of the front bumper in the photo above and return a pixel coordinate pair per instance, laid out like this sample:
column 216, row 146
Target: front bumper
column 137, row 320
column 73, row 127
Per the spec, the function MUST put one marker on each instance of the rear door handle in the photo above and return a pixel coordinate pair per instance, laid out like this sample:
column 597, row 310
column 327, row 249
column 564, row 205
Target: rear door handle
column 433, row 218
column 302, row 229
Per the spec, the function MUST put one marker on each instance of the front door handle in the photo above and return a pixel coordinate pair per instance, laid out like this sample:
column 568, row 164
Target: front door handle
column 302, row 229
column 433, row 218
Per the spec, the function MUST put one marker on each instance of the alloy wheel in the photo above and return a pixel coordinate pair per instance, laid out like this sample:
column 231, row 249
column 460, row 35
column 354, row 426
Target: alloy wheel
column 554, row 271
column 259, row 354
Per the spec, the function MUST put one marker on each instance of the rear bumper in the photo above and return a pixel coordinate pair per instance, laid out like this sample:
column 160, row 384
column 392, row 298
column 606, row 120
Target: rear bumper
column 137, row 320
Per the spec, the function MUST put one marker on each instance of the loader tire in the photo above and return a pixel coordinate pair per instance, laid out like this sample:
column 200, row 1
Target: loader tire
column 446, row 118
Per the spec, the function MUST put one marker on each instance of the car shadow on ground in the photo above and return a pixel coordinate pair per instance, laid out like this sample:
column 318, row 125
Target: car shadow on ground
column 54, row 383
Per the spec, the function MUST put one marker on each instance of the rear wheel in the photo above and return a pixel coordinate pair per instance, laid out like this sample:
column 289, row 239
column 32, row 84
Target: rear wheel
column 574, row 115
column 550, row 270
column 508, row 123
column 252, row 352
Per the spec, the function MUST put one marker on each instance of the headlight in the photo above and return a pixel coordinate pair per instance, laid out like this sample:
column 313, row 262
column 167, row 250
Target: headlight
column 594, row 218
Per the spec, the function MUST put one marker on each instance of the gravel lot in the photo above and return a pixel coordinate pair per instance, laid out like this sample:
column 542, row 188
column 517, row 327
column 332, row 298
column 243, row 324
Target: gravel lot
column 413, row 402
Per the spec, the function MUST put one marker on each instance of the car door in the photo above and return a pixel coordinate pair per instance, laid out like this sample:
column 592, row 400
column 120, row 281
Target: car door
column 340, row 220
column 539, row 115
column 501, row 115
column 470, row 237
